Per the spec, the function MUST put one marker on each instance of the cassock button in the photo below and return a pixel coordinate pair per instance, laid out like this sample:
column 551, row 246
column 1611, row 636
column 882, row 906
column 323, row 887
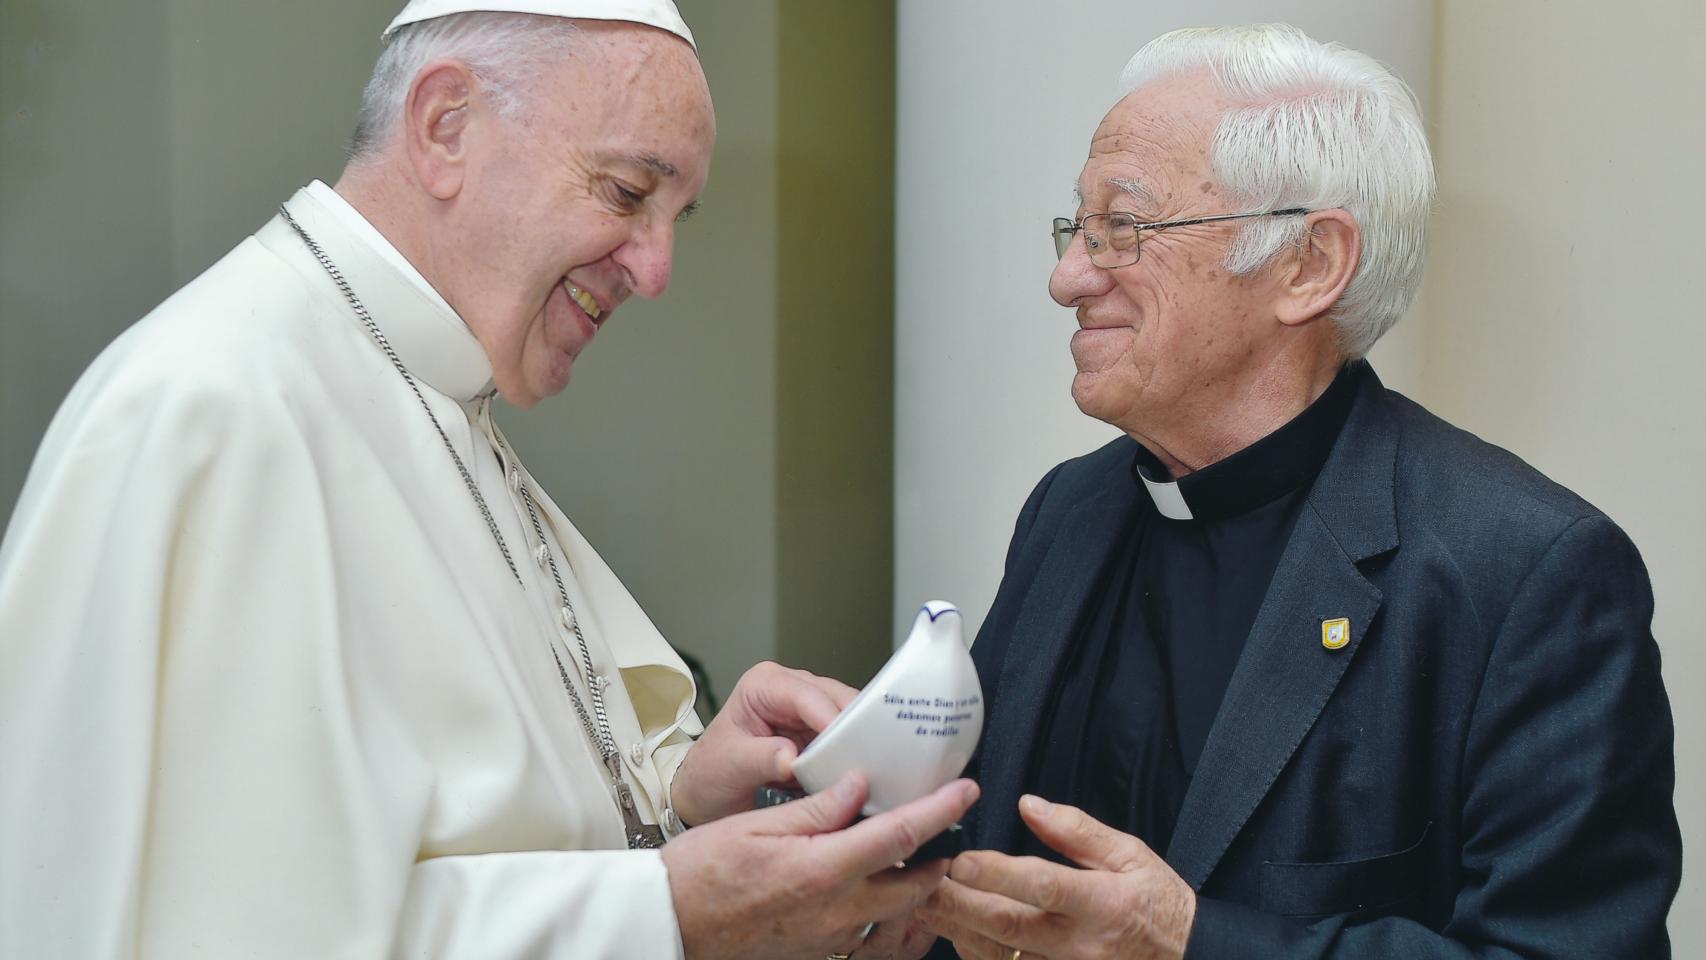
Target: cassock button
column 542, row 556
column 515, row 479
column 568, row 615
column 637, row 753
column 1335, row 633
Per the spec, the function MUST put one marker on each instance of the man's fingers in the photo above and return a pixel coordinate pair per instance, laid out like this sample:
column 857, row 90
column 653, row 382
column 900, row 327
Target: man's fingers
column 797, row 702
column 890, row 837
column 771, row 700
column 917, row 943
column 840, row 693
column 886, row 939
column 889, row 898
column 1033, row 880
column 768, row 760
column 972, row 917
column 1088, row 841
column 898, row 939
column 823, row 812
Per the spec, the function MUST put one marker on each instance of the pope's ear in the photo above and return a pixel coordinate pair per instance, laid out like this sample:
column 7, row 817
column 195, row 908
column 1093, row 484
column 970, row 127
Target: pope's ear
column 435, row 119
column 1315, row 275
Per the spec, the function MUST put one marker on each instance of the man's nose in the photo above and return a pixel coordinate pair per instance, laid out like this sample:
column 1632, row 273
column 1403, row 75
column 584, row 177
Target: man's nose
column 648, row 258
column 1075, row 277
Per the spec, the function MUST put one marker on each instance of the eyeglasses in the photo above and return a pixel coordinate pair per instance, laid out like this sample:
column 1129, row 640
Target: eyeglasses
column 1112, row 238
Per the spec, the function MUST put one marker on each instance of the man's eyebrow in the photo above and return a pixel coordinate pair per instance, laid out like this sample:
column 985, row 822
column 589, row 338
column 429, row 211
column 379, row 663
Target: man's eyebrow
column 1132, row 188
column 652, row 161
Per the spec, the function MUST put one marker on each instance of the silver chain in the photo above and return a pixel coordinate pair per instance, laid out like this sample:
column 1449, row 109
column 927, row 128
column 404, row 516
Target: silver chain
column 599, row 731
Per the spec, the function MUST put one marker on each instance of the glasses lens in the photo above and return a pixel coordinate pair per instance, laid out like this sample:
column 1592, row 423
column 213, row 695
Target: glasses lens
column 1112, row 239
column 1063, row 230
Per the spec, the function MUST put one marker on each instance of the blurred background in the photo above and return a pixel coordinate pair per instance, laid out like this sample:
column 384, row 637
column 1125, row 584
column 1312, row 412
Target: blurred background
column 857, row 375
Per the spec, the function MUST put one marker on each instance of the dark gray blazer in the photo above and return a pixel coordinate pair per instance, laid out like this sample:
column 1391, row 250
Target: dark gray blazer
column 1485, row 770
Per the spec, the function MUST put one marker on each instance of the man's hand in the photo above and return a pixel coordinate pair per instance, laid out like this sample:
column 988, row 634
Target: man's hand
column 787, row 881
column 903, row 938
column 772, row 714
column 1126, row 904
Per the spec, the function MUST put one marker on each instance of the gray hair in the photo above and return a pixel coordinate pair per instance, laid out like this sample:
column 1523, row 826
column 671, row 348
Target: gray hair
column 1316, row 125
column 506, row 51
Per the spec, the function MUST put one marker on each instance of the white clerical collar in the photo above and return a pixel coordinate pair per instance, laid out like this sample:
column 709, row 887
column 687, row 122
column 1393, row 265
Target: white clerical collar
column 430, row 338
column 1277, row 464
column 1169, row 499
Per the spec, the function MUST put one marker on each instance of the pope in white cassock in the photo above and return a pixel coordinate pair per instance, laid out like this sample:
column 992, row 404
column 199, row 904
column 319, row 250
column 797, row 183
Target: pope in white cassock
column 299, row 660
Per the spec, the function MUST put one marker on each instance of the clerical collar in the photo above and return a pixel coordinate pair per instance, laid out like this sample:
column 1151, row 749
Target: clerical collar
column 1262, row 472
column 430, row 338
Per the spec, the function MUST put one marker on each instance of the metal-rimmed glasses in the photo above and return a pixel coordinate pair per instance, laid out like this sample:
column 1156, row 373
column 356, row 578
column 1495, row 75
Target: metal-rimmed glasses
column 1112, row 238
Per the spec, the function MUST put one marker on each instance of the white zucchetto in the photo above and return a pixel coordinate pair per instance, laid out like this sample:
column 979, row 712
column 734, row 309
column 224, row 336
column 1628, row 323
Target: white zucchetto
column 654, row 13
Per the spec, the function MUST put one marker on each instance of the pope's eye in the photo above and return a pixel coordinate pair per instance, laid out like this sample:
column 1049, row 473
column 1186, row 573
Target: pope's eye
column 625, row 197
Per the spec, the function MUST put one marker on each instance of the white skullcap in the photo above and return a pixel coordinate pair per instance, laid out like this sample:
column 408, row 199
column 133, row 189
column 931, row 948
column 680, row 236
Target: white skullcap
column 653, row 13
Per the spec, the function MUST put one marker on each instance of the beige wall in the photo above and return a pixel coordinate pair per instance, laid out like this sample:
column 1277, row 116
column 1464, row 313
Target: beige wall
column 835, row 344
column 1563, row 316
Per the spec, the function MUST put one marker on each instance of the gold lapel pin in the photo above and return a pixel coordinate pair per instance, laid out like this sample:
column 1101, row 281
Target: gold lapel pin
column 1335, row 633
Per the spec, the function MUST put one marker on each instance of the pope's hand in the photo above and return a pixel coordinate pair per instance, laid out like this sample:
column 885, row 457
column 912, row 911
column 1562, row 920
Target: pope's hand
column 1127, row 903
column 787, row 881
column 772, row 714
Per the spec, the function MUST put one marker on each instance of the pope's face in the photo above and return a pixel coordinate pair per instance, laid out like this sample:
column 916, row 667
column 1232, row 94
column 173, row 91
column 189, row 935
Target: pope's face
column 575, row 206
column 1160, row 340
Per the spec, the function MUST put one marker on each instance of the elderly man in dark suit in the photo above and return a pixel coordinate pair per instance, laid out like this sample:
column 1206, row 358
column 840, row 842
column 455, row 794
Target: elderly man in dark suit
column 1296, row 669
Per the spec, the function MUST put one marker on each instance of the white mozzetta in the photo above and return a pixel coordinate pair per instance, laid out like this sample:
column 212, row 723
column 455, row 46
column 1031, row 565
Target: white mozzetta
column 269, row 689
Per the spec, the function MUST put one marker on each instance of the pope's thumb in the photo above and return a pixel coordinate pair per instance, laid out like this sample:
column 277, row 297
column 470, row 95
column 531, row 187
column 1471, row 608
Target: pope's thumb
column 766, row 760
column 823, row 812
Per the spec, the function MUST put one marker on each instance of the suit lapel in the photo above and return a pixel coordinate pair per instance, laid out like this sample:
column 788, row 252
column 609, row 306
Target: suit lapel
column 1286, row 675
column 1037, row 645
column 1277, row 690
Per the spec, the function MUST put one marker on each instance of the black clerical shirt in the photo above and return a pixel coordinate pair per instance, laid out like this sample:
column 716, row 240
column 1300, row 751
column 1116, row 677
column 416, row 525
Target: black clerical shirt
column 1151, row 659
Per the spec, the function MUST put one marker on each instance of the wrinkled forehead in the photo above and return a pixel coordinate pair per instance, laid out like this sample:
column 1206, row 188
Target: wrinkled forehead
column 1154, row 138
column 626, row 52
column 640, row 88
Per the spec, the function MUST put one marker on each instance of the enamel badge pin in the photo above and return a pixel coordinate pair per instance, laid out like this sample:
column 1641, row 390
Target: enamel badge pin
column 1335, row 633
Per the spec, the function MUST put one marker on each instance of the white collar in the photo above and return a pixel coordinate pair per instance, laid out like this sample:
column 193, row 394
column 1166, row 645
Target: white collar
column 1169, row 500
column 433, row 342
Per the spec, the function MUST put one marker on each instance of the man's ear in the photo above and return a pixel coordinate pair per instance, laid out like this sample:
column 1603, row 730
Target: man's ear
column 1315, row 276
column 435, row 118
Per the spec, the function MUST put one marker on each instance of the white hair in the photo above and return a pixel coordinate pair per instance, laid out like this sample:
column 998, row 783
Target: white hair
column 506, row 51
column 1315, row 125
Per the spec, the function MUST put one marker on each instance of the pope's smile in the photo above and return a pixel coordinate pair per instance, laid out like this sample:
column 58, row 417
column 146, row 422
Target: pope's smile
column 586, row 301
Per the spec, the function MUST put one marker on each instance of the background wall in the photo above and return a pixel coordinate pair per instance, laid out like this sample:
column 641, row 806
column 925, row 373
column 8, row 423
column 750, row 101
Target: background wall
column 1561, row 316
column 1563, row 306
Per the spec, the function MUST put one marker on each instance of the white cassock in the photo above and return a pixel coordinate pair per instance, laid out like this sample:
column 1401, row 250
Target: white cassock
column 267, row 687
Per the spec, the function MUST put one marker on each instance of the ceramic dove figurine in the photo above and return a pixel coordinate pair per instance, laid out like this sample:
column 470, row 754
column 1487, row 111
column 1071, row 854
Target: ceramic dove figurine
column 913, row 727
